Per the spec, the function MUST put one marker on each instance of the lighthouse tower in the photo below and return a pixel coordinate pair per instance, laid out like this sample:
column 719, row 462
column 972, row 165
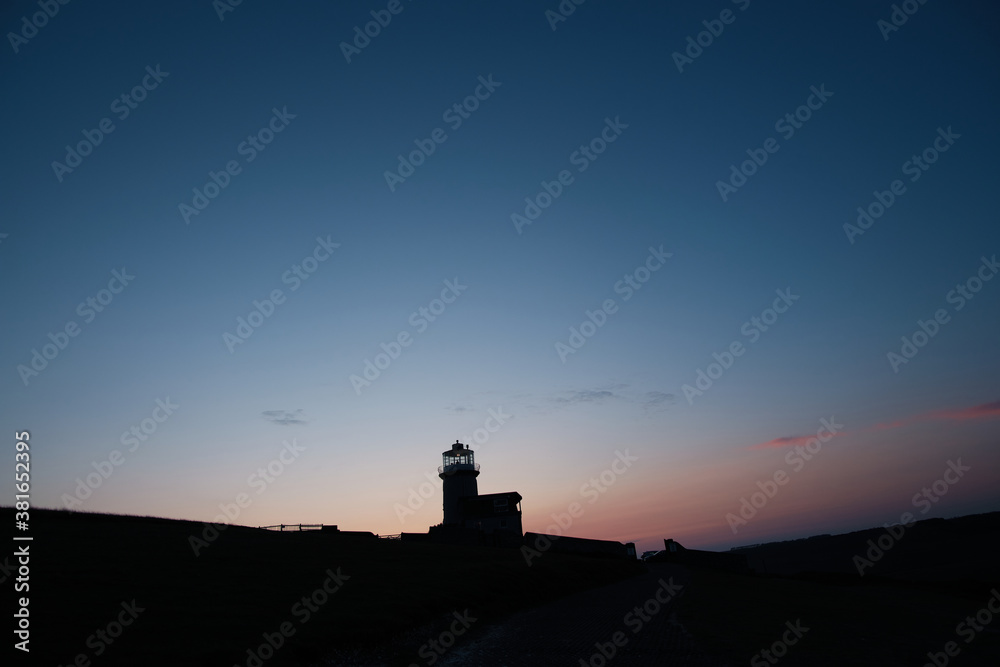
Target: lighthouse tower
column 459, row 471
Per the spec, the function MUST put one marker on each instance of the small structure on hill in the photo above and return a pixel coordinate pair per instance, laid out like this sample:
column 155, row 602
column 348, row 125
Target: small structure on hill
column 675, row 552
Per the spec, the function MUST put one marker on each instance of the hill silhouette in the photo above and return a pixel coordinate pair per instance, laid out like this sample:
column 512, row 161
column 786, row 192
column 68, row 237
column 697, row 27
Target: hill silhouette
column 329, row 598
column 210, row 609
column 962, row 548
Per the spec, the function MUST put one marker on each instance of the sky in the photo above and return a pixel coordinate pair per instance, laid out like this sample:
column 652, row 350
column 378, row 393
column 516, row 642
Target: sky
column 634, row 254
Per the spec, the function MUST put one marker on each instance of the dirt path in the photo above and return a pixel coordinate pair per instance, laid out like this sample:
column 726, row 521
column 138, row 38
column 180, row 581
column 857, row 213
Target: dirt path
column 575, row 629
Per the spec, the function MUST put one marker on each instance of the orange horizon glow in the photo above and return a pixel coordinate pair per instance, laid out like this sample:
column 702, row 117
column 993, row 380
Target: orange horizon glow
column 867, row 478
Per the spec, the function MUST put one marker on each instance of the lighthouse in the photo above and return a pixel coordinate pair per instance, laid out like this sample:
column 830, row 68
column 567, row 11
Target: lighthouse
column 458, row 471
column 492, row 518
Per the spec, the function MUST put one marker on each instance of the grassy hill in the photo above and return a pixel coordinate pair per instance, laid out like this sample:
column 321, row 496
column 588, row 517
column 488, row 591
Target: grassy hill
column 384, row 601
column 930, row 550
column 851, row 621
column 210, row 609
column 916, row 592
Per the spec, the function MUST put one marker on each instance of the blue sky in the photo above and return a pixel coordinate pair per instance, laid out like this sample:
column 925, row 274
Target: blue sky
column 495, row 346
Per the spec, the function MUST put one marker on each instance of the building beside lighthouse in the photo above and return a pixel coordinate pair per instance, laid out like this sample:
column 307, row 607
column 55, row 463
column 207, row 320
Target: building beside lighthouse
column 471, row 517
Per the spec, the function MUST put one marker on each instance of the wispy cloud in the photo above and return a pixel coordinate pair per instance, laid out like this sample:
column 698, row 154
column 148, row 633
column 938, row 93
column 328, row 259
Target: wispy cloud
column 607, row 394
column 656, row 401
column 983, row 411
column 285, row 417
column 561, row 400
column 584, row 396
column 787, row 441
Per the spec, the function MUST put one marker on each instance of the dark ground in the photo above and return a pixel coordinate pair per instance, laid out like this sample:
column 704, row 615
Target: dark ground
column 584, row 626
column 210, row 609
column 398, row 597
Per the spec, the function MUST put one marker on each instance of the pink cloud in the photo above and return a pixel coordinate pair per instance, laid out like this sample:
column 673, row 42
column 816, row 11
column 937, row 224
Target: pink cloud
column 984, row 411
column 788, row 441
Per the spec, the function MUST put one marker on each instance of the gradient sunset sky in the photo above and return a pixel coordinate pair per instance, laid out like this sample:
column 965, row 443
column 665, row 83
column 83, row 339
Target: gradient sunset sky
column 596, row 100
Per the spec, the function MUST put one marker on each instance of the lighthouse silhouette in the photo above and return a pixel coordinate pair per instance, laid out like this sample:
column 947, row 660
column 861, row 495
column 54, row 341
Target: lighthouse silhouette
column 458, row 471
column 494, row 517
